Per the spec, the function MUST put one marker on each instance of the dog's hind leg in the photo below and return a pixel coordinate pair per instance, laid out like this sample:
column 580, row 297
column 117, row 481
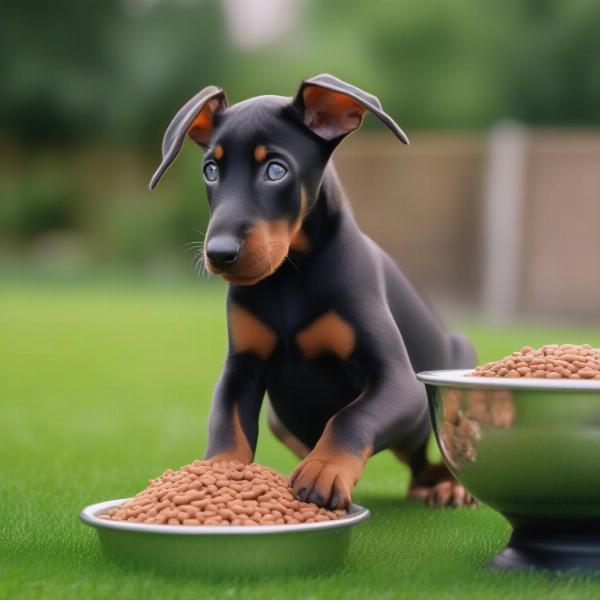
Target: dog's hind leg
column 462, row 353
column 282, row 433
column 432, row 483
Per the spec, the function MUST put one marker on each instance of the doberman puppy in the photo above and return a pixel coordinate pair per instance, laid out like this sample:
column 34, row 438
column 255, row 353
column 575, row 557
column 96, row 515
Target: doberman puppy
column 318, row 315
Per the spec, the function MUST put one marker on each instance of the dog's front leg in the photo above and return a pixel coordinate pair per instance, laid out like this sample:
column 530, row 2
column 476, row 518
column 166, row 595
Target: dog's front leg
column 391, row 410
column 233, row 423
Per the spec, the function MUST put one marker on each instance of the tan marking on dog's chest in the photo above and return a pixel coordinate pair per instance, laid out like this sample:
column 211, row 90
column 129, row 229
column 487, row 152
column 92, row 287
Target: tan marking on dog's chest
column 250, row 334
column 328, row 333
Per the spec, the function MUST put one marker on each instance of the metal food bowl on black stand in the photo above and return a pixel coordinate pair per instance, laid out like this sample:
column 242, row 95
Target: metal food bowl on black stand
column 529, row 448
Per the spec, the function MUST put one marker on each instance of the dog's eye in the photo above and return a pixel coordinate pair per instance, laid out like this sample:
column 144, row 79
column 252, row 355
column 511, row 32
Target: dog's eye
column 211, row 171
column 276, row 171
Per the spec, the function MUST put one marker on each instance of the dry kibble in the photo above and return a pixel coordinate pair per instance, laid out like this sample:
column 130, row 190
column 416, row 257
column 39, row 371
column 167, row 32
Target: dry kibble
column 552, row 361
column 219, row 493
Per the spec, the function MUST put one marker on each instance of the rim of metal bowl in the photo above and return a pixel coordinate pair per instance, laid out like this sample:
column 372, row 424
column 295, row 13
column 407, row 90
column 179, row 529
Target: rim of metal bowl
column 356, row 514
column 462, row 378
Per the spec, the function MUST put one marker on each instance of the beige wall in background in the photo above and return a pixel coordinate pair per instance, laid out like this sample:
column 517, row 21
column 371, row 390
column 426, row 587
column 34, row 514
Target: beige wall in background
column 421, row 204
column 424, row 205
column 562, row 225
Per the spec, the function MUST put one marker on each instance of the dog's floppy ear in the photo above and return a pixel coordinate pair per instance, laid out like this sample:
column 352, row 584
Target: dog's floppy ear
column 195, row 118
column 333, row 108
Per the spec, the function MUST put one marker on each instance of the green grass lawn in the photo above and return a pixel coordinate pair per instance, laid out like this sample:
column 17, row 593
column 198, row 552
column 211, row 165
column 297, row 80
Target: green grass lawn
column 103, row 387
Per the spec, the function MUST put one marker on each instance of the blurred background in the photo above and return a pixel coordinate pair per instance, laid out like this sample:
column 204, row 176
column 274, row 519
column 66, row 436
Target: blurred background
column 493, row 211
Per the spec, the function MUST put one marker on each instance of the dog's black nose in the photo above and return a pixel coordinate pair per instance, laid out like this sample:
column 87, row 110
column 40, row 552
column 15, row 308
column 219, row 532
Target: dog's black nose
column 222, row 251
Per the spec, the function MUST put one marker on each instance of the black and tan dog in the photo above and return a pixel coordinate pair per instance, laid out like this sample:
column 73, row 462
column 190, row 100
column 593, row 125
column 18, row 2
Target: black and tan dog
column 319, row 316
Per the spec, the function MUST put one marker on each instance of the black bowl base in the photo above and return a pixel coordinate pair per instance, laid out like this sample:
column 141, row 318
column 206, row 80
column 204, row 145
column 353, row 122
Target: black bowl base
column 550, row 551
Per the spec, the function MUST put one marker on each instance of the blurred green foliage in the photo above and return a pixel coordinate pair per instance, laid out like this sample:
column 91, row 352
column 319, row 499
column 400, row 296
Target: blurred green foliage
column 120, row 68
column 79, row 70
column 47, row 200
column 110, row 74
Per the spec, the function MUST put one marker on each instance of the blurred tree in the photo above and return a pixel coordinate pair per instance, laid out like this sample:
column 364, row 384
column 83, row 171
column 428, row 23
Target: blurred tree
column 552, row 68
column 119, row 68
column 465, row 63
column 109, row 68
column 55, row 68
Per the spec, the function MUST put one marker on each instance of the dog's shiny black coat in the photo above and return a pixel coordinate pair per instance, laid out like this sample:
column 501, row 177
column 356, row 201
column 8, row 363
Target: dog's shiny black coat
column 371, row 398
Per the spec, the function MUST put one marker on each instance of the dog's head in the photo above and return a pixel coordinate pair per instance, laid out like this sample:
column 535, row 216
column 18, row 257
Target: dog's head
column 263, row 166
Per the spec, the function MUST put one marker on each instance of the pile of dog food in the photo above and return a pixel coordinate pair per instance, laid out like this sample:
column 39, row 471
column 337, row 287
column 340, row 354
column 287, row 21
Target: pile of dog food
column 552, row 361
column 220, row 493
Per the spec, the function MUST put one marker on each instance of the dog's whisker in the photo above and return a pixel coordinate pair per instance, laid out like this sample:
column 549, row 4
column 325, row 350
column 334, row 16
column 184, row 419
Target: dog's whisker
column 198, row 262
column 198, row 259
column 197, row 248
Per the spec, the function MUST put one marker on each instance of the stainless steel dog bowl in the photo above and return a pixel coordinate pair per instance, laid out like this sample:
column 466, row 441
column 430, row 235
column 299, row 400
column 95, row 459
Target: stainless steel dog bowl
column 232, row 550
column 530, row 448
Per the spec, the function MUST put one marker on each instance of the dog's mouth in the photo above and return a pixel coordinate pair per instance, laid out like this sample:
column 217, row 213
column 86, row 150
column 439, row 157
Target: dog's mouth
column 248, row 274
column 244, row 279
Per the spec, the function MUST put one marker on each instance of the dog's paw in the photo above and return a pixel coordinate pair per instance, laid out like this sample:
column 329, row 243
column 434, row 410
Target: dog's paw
column 326, row 481
column 323, row 483
column 449, row 493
